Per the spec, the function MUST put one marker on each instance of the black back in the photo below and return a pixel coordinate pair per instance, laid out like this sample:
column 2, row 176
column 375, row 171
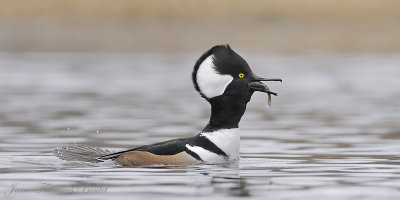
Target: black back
column 172, row 147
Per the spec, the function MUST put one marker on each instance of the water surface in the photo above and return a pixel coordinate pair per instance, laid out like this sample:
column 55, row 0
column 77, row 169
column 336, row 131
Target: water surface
column 332, row 133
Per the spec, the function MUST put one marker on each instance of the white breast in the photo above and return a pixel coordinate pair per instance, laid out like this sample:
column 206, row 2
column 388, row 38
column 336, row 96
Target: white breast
column 207, row 156
column 228, row 140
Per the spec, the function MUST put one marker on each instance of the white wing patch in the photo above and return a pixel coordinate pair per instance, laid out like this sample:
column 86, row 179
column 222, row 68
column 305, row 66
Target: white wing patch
column 211, row 83
column 228, row 140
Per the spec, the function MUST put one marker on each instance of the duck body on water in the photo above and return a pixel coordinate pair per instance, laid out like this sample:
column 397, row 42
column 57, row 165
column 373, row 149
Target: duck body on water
column 225, row 80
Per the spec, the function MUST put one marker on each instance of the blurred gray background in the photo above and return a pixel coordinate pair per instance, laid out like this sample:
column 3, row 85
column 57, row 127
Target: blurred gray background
column 180, row 25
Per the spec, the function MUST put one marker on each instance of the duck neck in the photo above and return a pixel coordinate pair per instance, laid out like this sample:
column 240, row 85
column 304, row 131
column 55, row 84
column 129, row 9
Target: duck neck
column 225, row 113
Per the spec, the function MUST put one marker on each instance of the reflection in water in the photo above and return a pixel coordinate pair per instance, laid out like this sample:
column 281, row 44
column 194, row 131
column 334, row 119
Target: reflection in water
column 225, row 179
column 332, row 132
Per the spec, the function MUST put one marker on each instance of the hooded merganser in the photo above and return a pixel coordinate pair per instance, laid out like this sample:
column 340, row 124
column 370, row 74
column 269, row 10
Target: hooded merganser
column 225, row 80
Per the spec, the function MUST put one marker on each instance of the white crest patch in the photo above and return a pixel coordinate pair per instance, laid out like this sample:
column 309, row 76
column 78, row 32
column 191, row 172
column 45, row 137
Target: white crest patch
column 228, row 140
column 211, row 83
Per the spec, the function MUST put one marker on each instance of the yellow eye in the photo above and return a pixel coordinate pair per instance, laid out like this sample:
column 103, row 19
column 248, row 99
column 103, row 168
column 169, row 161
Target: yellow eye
column 241, row 75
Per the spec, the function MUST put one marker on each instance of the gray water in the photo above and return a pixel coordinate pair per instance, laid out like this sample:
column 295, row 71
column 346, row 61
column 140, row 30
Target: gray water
column 332, row 133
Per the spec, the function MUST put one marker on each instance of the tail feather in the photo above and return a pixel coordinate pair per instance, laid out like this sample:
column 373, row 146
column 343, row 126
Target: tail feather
column 80, row 153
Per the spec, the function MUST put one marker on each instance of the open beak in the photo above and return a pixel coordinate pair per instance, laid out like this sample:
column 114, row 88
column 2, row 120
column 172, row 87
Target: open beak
column 257, row 85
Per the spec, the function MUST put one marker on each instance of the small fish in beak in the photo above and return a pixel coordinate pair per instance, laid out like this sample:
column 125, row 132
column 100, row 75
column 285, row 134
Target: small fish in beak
column 257, row 85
